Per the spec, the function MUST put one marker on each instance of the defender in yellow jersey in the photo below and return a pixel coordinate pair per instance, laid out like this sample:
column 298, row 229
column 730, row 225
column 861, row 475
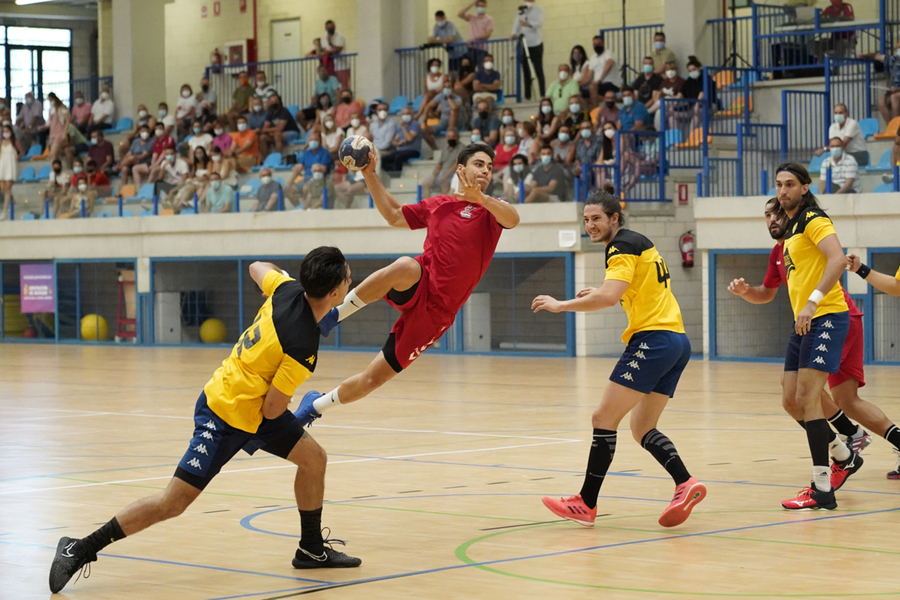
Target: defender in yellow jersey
column 246, row 401
column 814, row 261
column 646, row 376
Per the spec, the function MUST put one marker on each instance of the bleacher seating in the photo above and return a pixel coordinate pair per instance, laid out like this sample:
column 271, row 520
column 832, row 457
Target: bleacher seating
column 883, row 188
column 869, row 127
column 883, row 164
column 397, row 104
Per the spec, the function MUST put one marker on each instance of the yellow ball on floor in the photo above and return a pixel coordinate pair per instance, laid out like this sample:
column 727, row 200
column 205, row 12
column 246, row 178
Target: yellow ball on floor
column 94, row 328
column 213, row 331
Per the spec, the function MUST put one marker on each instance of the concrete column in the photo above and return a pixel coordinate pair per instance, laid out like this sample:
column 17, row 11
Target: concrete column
column 139, row 68
column 384, row 26
column 686, row 29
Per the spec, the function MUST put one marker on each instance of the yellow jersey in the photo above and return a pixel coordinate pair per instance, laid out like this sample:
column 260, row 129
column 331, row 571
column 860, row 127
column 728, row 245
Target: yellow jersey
column 279, row 349
column 897, row 276
column 648, row 301
column 804, row 263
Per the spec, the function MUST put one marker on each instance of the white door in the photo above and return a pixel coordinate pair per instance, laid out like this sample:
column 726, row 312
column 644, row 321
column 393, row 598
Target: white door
column 286, row 39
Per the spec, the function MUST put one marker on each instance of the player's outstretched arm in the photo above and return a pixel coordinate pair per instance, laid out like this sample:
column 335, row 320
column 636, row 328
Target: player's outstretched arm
column 588, row 300
column 757, row 294
column 879, row 281
column 386, row 204
column 259, row 269
column 470, row 191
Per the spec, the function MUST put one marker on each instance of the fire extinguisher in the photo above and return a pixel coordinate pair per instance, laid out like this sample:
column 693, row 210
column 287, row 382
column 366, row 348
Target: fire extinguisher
column 686, row 244
column 215, row 60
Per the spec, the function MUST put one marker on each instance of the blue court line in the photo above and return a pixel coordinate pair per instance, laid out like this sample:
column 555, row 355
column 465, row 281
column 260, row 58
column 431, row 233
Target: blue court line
column 573, row 551
column 178, row 564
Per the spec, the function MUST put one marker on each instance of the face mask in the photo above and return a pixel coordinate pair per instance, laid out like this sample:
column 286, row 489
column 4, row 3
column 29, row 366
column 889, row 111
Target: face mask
column 266, row 180
column 162, row 113
column 244, row 80
column 476, row 138
column 82, row 187
column 452, row 143
column 330, row 30
column 330, row 124
column 275, row 107
column 218, row 132
column 483, row 115
column 435, row 69
column 57, row 170
column 198, row 158
column 564, row 137
column 94, row 141
column 659, row 45
column 346, row 99
column 510, row 140
column 546, row 109
column 104, row 96
column 354, row 123
column 260, row 84
column 546, row 160
column 170, row 158
column 159, row 132
column 563, row 75
column 835, row 152
column 318, row 175
column 7, row 135
column 839, row 119
column 518, row 168
column 78, row 102
column 647, row 68
column 671, row 74
column 382, row 114
column 145, row 135
column 488, row 65
column 574, row 108
column 406, row 118
column 323, row 76
column 599, row 49
column 610, row 104
column 75, row 170
column 216, row 158
column 609, row 133
column 142, row 114
column 205, row 88
column 215, row 185
column 585, row 133
column 480, row 10
column 627, row 100
column 694, row 74
column 520, row 133
column 185, row 94
column 257, row 108
column 578, row 55
column 313, row 145
column 242, row 127
column 447, row 91
column 30, row 101
column 197, row 130
column 506, row 119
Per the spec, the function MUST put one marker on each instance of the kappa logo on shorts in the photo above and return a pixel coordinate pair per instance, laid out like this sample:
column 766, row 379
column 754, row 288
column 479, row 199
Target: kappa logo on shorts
column 211, row 425
column 827, row 325
column 640, row 354
column 311, row 359
column 201, row 449
column 467, row 212
column 819, row 360
column 644, row 346
column 194, row 463
column 207, row 435
column 825, row 336
column 822, row 348
column 627, row 376
column 634, row 365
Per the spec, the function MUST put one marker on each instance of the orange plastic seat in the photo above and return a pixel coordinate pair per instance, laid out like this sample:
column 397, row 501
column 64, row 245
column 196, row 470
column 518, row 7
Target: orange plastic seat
column 128, row 191
column 723, row 79
column 694, row 140
column 891, row 131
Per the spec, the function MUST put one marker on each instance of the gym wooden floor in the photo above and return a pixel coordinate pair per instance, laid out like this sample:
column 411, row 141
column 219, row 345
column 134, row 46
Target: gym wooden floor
column 435, row 482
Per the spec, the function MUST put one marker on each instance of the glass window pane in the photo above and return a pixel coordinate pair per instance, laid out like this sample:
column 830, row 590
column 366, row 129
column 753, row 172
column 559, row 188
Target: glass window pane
column 39, row 36
column 55, row 64
column 2, row 34
column 22, row 76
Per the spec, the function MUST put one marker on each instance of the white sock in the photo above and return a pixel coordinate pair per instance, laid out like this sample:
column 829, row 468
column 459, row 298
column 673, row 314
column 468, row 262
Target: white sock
column 822, row 478
column 351, row 304
column 329, row 400
column 838, row 449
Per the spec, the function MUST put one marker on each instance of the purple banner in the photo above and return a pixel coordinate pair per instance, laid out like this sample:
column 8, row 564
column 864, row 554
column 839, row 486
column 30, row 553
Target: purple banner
column 38, row 285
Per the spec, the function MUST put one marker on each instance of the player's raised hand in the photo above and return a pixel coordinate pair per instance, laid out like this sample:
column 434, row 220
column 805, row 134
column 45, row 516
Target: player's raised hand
column 584, row 292
column 548, row 303
column 468, row 190
column 853, row 262
column 738, row 287
column 369, row 169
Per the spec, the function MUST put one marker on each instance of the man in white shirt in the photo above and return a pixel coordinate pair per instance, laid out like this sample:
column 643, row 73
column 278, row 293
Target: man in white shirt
column 604, row 70
column 333, row 43
column 171, row 172
column 207, row 97
column 263, row 90
column 102, row 112
column 853, row 140
column 844, row 170
column 528, row 22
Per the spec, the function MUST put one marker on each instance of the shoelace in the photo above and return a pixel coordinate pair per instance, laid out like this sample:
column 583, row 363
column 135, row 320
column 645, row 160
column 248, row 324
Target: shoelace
column 806, row 492
column 85, row 570
column 326, row 531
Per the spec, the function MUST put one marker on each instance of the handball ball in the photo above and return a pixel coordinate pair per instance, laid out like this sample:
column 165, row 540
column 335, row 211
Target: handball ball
column 94, row 328
column 213, row 331
column 354, row 152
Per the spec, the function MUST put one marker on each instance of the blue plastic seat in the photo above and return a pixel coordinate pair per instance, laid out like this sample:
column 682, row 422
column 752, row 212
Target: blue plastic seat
column 42, row 174
column 883, row 164
column 145, row 213
column 397, row 104
column 673, row 136
column 105, row 215
column 124, row 124
column 253, row 185
column 883, row 188
column 501, row 98
column 127, row 213
column 272, row 161
column 815, row 165
column 293, row 109
column 188, row 211
column 814, row 188
column 145, row 193
column 35, row 150
column 27, row 175
column 869, row 127
column 417, row 103
column 28, row 216
column 771, row 192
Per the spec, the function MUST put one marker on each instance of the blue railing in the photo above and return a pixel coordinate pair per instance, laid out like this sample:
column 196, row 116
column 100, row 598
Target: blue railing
column 723, row 177
column 642, row 165
column 732, row 42
column 90, row 87
column 730, row 97
column 760, row 149
column 293, row 79
column 630, row 45
column 681, row 127
column 850, row 81
column 414, row 64
column 592, row 178
column 889, row 16
column 805, row 118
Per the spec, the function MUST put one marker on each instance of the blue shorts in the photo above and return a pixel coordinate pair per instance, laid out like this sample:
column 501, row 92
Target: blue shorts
column 215, row 442
column 653, row 362
column 822, row 346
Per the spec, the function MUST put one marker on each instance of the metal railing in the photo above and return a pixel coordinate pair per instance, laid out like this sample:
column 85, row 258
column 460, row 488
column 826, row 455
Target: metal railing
column 90, row 87
column 642, row 166
column 889, row 17
column 293, row 79
column 851, row 81
column 682, row 125
column 592, row 178
column 789, row 47
column 630, row 45
column 723, row 177
column 732, row 42
column 761, row 148
column 729, row 93
column 805, row 117
column 414, row 64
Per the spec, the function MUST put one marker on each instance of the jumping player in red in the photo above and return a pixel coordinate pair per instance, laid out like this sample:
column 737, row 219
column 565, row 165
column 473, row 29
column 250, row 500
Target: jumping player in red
column 463, row 231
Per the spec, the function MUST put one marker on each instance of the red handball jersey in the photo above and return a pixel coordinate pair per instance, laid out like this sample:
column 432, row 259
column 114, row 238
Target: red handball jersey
column 459, row 247
column 777, row 275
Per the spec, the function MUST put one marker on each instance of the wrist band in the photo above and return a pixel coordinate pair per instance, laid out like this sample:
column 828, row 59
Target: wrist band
column 863, row 271
column 816, row 297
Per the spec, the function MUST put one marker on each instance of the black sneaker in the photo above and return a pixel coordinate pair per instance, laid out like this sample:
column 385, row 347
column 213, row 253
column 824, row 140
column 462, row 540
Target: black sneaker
column 71, row 556
column 329, row 559
column 811, row 499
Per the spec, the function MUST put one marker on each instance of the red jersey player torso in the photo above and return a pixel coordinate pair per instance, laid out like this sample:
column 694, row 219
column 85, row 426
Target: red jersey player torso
column 777, row 275
column 461, row 241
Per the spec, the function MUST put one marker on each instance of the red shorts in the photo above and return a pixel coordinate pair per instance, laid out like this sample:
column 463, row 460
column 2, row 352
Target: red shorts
column 418, row 327
column 852, row 357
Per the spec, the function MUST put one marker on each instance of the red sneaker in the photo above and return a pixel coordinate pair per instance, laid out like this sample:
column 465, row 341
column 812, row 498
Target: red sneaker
column 895, row 474
column 572, row 508
column 842, row 470
column 811, row 499
column 687, row 495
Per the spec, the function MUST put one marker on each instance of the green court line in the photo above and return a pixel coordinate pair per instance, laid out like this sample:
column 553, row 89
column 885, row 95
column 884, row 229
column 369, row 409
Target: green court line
column 431, row 512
